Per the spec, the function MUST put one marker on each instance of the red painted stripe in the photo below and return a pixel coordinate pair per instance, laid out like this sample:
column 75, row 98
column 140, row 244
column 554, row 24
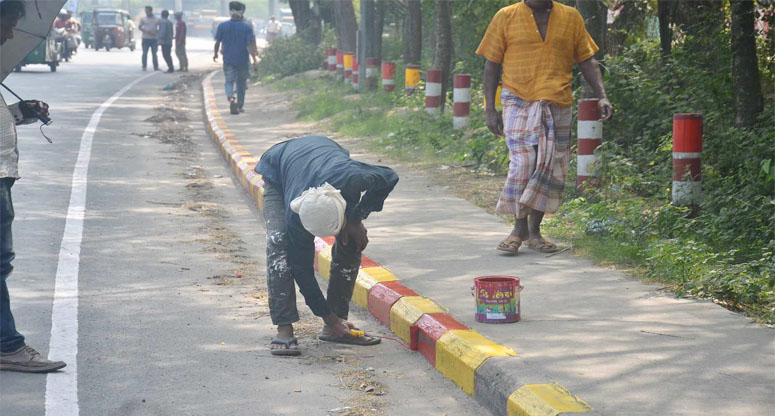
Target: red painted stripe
column 687, row 134
column 462, row 109
column 583, row 182
column 383, row 295
column 433, row 102
column 433, row 75
column 372, row 62
column 462, row 81
column 367, row 262
column 588, row 110
column 588, row 146
column 430, row 327
column 339, row 58
column 687, row 116
column 687, row 169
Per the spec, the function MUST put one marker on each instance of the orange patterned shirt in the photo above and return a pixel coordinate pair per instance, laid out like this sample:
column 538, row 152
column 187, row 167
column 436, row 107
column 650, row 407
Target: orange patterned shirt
column 533, row 68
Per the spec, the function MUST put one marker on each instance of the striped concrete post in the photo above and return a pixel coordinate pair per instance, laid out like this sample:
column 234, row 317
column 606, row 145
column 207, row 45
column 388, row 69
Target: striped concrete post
column 433, row 91
column 590, row 134
column 388, row 75
column 371, row 73
column 339, row 65
column 687, row 159
column 412, row 78
column 347, row 64
column 331, row 60
column 355, row 75
column 461, row 96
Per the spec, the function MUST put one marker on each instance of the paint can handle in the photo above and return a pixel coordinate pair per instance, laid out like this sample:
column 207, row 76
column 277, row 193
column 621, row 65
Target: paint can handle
column 472, row 291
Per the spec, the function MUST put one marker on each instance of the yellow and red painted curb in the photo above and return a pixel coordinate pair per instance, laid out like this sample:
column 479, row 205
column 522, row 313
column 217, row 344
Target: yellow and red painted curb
column 455, row 350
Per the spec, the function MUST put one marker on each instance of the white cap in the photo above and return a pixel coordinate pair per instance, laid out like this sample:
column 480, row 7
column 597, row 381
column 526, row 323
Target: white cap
column 321, row 210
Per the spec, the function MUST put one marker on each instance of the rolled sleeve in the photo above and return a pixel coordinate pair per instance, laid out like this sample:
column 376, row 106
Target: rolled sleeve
column 585, row 47
column 493, row 45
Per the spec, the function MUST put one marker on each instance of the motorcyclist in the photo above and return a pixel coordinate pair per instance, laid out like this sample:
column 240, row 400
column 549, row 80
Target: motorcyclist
column 65, row 28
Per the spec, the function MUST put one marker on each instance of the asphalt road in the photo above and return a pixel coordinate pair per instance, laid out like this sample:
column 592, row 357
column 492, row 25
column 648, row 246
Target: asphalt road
column 158, row 277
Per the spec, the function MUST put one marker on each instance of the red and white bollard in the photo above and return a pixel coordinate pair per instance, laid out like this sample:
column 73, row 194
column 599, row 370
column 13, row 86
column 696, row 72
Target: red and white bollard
column 355, row 76
column 461, row 97
column 433, row 91
column 331, row 59
column 347, row 64
column 371, row 73
column 687, row 159
column 339, row 65
column 590, row 134
column 388, row 76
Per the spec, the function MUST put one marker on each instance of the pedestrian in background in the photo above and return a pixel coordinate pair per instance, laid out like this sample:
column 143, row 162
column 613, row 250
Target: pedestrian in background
column 15, row 354
column 272, row 29
column 180, row 41
column 149, row 25
column 536, row 61
column 165, row 39
column 237, row 38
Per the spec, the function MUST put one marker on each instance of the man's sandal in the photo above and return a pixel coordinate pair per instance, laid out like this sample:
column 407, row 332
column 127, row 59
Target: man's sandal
column 510, row 245
column 543, row 245
column 287, row 351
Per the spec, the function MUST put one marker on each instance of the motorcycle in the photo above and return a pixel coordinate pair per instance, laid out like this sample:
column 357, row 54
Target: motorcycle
column 67, row 41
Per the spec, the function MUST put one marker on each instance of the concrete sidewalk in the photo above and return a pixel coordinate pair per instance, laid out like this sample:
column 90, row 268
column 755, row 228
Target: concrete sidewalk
column 624, row 347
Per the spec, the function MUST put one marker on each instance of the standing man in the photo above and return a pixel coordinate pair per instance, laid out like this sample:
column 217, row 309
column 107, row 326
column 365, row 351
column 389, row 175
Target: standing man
column 149, row 25
column 165, row 39
column 536, row 64
column 180, row 41
column 313, row 188
column 238, row 39
column 272, row 29
column 15, row 354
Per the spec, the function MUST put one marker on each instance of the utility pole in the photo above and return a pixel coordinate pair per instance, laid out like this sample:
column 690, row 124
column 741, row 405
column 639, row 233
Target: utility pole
column 178, row 5
column 365, row 40
column 271, row 8
column 224, row 8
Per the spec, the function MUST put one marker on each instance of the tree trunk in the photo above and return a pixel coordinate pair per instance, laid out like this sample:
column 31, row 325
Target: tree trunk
column 379, row 26
column 413, row 33
column 748, row 101
column 346, row 25
column 307, row 22
column 665, row 12
column 444, row 45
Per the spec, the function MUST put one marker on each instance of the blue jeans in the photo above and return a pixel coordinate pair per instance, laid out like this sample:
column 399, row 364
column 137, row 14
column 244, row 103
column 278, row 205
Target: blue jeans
column 10, row 339
column 151, row 44
column 239, row 75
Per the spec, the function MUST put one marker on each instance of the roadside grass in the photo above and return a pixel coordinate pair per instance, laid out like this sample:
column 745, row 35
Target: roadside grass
column 645, row 236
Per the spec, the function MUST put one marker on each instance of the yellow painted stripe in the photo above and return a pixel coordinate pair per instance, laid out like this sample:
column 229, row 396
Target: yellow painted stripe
column 324, row 262
column 460, row 352
column 367, row 278
column 407, row 311
column 544, row 400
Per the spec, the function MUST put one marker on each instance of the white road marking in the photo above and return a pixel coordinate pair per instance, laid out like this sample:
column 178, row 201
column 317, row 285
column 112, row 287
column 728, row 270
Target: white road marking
column 62, row 387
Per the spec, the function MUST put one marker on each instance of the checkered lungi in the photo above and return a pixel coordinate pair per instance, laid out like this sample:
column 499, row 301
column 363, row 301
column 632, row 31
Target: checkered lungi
column 535, row 181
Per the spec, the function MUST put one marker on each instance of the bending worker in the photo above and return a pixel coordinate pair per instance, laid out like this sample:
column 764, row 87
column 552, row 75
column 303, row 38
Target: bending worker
column 313, row 188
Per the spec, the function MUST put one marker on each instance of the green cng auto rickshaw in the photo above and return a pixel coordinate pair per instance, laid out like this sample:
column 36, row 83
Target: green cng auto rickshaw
column 47, row 53
column 87, row 32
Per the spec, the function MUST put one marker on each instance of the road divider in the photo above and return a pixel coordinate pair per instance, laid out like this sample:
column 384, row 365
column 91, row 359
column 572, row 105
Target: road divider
column 492, row 373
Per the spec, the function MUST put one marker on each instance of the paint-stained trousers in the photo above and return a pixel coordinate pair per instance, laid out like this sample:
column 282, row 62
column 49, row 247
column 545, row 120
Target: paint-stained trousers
column 280, row 280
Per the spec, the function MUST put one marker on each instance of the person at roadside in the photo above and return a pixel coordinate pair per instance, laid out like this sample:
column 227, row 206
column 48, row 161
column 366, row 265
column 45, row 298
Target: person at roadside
column 536, row 60
column 239, row 44
column 272, row 29
column 165, row 39
column 180, row 41
column 15, row 354
column 149, row 25
column 313, row 188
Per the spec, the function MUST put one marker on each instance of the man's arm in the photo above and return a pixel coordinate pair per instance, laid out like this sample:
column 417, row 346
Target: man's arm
column 253, row 49
column 216, row 49
column 591, row 71
column 492, row 75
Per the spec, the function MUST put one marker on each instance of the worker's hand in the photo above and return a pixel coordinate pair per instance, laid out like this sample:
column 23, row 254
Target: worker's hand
column 354, row 235
column 215, row 58
column 338, row 326
column 494, row 122
column 605, row 108
column 33, row 108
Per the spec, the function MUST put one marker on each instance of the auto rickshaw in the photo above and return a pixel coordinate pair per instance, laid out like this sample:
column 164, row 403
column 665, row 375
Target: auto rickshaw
column 47, row 53
column 111, row 29
column 87, row 34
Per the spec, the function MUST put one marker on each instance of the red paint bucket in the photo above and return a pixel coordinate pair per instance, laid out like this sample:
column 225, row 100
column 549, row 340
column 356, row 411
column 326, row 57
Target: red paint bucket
column 497, row 299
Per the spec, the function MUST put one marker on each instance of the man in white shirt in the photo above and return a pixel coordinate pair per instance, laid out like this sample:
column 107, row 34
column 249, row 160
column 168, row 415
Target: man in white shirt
column 149, row 25
column 15, row 354
column 272, row 29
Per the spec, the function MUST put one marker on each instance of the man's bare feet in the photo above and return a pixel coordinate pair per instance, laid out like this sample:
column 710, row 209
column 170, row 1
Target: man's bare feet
column 285, row 343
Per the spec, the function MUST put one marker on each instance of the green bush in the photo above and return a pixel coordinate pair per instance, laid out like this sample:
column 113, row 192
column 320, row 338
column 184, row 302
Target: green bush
column 287, row 56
